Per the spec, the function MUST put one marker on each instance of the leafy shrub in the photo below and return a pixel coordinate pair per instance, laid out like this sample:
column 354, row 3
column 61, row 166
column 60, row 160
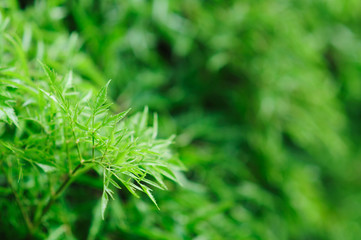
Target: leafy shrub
column 53, row 132
column 264, row 95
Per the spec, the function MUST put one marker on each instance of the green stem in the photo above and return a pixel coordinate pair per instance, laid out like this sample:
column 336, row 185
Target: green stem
column 67, row 147
column 54, row 197
column 74, row 136
column 76, row 142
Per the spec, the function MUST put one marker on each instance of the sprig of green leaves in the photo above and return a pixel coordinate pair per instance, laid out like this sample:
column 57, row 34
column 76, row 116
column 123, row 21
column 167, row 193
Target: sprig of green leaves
column 65, row 126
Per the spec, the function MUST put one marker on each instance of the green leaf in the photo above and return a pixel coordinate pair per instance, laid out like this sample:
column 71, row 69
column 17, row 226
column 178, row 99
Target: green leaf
column 152, row 183
column 57, row 233
column 8, row 114
column 16, row 42
column 81, row 126
column 50, row 73
column 105, row 199
column 118, row 117
column 46, row 168
column 101, row 98
column 155, row 126
column 115, row 184
column 147, row 191
column 127, row 185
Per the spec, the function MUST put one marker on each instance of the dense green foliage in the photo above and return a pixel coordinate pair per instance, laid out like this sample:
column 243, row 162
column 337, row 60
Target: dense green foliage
column 263, row 95
column 53, row 134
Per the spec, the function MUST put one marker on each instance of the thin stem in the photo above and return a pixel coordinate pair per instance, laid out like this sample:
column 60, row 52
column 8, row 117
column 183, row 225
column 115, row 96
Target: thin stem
column 105, row 152
column 28, row 223
column 67, row 147
column 75, row 139
column 76, row 142
column 106, row 149
column 53, row 198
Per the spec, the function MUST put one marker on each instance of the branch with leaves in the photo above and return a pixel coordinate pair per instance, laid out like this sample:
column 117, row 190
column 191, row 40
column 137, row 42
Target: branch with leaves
column 50, row 126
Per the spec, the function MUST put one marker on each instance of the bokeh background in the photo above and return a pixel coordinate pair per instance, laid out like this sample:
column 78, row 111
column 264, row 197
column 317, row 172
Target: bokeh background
column 264, row 96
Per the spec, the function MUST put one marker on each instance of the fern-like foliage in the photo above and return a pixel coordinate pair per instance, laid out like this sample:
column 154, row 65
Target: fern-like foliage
column 53, row 130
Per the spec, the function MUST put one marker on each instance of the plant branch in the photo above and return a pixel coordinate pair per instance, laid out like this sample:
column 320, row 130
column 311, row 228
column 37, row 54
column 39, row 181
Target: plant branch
column 67, row 147
column 53, row 198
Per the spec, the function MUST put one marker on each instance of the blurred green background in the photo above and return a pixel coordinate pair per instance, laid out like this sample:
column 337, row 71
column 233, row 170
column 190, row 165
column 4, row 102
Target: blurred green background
column 264, row 96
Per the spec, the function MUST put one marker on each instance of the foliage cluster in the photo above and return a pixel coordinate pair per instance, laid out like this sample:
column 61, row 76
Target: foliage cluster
column 54, row 132
column 264, row 95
